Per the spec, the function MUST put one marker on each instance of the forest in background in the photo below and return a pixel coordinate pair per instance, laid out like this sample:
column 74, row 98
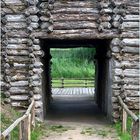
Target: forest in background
column 73, row 63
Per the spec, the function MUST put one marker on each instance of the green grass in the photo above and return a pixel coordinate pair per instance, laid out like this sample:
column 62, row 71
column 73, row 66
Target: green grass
column 8, row 115
column 127, row 135
column 72, row 63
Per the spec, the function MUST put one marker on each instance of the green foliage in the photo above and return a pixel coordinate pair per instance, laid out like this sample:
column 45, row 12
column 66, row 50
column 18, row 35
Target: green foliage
column 73, row 63
column 127, row 135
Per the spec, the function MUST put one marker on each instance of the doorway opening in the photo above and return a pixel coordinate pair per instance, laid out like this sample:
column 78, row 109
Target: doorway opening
column 103, row 93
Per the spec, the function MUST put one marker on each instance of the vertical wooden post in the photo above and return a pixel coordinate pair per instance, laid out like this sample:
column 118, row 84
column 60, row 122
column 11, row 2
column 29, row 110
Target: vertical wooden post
column 85, row 83
column 62, row 82
column 25, row 129
column 33, row 116
column 124, row 121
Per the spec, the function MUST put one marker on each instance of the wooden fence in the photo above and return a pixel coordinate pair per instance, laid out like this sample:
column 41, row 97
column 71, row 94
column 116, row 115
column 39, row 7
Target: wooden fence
column 26, row 123
column 72, row 82
column 125, row 113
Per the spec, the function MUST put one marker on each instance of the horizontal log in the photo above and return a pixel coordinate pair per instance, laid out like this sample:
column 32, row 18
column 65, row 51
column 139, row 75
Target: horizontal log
column 15, row 18
column 14, row 9
column 126, row 57
column 19, row 90
column 130, row 50
column 14, row 2
column 77, row 34
column 19, row 97
column 130, row 34
column 17, row 47
column 19, row 59
column 17, row 52
column 127, row 93
column 131, row 87
column 127, row 72
column 132, row 10
column 128, row 25
column 17, row 33
column 131, row 42
column 19, row 78
column 73, row 17
column 76, row 11
column 133, row 18
column 126, row 64
column 17, row 41
column 126, row 80
column 16, row 25
column 19, row 83
column 75, row 4
column 132, row 99
column 74, row 25
column 22, row 104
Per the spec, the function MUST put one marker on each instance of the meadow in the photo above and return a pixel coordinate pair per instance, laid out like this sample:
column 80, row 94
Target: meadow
column 73, row 63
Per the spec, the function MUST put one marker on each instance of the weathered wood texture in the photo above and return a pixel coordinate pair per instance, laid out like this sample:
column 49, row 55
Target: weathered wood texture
column 25, row 22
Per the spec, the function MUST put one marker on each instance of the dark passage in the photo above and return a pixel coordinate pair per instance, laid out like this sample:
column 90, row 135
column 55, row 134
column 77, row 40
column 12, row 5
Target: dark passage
column 75, row 109
column 85, row 108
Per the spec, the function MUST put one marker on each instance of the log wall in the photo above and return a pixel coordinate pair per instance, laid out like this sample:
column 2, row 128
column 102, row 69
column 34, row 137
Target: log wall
column 25, row 22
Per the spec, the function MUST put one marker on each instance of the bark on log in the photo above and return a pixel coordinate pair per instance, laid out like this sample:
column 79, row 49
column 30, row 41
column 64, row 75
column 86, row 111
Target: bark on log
column 128, row 25
column 17, row 41
column 17, row 33
column 19, row 83
column 130, row 34
column 76, row 11
column 17, row 46
column 74, row 25
column 75, row 4
column 15, row 25
column 126, row 64
column 127, row 72
column 72, row 17
column 76, row 34
column 15, row 18
column 131, row 42
column 19, row 97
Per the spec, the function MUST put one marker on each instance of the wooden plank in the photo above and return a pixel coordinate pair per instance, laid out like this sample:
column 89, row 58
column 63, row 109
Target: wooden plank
column 124, row 121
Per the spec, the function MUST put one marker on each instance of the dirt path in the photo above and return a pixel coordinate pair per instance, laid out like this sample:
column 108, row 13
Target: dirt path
column 79, row 131
column 77, row 118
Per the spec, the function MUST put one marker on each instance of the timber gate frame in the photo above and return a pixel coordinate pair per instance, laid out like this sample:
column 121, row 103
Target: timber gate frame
column 25, row 22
